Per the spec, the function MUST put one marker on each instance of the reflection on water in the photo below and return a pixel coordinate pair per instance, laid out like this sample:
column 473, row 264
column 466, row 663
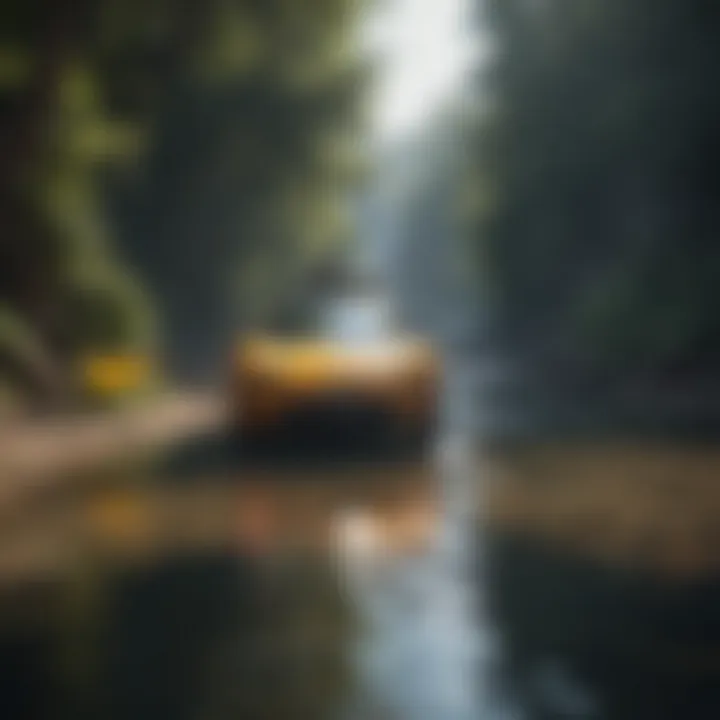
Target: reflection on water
column 340, row 593
column 414, row 655
column 280, row 595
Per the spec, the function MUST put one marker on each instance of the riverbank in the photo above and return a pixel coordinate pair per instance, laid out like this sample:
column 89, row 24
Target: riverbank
column 40, row 454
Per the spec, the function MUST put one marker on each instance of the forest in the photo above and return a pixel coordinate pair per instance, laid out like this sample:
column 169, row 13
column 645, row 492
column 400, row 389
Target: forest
column 593, row 210
column 171, row 170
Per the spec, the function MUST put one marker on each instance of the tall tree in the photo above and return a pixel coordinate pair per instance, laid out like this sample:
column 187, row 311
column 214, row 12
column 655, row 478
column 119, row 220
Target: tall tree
column 187, row 148
column 243, row 172
column 595, row 165
column 56, row 137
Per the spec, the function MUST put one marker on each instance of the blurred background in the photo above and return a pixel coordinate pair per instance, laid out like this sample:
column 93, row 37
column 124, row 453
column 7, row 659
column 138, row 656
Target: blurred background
column 359, row 358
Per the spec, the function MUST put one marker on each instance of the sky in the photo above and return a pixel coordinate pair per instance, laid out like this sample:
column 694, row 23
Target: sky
column 425, row 49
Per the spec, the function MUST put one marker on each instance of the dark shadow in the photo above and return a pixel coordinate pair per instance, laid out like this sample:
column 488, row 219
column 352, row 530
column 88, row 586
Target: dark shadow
column 28, row 676
column 644, row 648
column 165, row 628
column 321, row 435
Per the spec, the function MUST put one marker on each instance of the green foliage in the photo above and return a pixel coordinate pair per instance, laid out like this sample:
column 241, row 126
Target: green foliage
column 17, row 337
column 596, row 169
column 109, row 311
column 251, row 141
column 184, row 147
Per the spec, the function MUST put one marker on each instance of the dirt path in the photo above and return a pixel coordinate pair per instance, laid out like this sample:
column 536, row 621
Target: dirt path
column 39, row 454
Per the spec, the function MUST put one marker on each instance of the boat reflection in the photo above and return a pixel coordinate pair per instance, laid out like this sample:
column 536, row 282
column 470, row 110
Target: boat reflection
column 253, row 597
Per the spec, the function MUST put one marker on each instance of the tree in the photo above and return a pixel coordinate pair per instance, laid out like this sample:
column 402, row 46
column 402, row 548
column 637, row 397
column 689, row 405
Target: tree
column 59, row 140
column 241, row 180
column 172, row 146
column 596, row 160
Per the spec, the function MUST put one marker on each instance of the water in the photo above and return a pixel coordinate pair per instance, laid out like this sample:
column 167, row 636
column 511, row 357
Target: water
column 210, row 609
column 202, row 610
column 347, row 593
column 416, row 655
